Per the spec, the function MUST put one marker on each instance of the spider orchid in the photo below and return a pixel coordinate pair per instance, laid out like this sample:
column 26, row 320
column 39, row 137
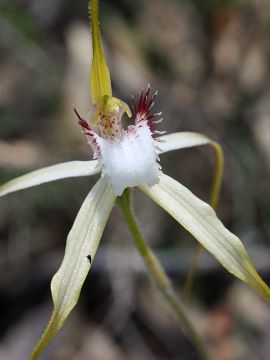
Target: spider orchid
column 127, row 158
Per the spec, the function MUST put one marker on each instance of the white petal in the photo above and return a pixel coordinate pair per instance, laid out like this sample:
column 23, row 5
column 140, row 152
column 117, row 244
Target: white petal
column 50, row 173
column 181, row 140
column 201, row 221
column 82, row 242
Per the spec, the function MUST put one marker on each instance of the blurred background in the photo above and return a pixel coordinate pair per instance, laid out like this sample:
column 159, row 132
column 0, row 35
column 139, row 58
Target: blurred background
column 209, row 60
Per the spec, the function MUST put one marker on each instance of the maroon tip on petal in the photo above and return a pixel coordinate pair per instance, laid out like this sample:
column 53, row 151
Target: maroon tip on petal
column 143, row 107
column 83, row 123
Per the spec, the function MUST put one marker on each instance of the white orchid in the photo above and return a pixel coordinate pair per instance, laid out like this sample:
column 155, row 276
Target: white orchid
column 127, row 158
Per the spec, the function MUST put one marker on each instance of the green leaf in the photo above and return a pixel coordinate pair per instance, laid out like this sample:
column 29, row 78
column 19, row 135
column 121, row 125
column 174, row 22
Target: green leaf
column 201, row 221
column 50, row 173
column 82, row 243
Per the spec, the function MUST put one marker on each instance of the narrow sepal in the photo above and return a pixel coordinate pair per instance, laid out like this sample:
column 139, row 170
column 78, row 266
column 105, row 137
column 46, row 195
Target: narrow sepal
column 201, row 221
column 100, row 81
column 50, row 173
column 82, row 243
column 181, row 140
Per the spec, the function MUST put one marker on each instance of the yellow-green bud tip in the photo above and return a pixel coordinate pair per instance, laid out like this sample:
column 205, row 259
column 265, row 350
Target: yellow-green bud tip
column 100, row 81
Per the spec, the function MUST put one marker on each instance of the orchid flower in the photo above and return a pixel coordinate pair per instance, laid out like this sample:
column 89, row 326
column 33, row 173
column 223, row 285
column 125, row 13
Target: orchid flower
column 127, row 158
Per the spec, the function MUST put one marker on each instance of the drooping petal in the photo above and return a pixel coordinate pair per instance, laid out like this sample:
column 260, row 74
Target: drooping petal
column 82, row 243
column 201, row 221
column 181, row 140
column 51, row 173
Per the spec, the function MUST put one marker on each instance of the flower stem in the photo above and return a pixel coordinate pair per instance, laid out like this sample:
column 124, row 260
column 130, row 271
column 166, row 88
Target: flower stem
column 214, row 198
column 159, row 276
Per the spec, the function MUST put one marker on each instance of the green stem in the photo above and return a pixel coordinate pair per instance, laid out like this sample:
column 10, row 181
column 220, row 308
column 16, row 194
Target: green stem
column 214, row 198
column 158, row 274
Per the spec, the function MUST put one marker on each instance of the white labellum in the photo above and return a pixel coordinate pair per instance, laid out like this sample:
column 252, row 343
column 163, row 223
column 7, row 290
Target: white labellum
column 130, row 160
